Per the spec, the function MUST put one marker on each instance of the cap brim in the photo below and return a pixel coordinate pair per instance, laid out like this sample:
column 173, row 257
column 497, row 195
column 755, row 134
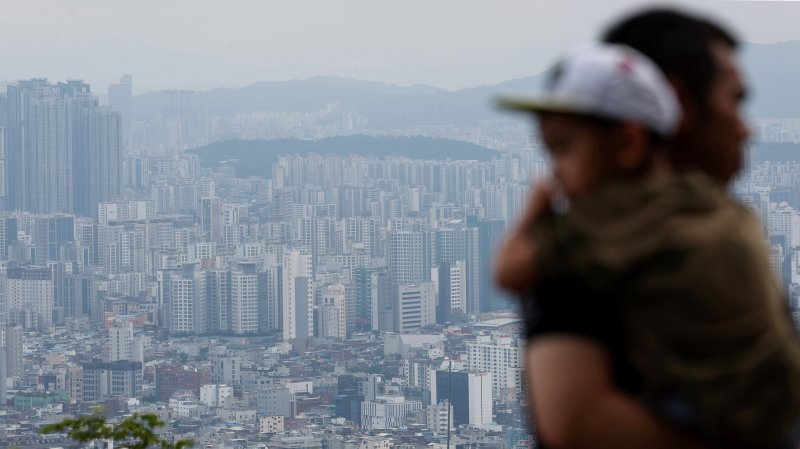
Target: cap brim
column 540, row 103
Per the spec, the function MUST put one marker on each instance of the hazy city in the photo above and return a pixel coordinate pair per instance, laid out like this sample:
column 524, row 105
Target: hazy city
column 301, row 261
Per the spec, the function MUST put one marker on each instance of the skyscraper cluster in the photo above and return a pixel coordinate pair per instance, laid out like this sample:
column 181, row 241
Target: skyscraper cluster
column 62, row 151
column 321, row 247
column 330, row 286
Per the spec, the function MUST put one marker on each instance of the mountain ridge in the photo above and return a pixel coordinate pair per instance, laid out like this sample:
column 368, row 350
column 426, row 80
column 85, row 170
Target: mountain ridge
column 772, row 68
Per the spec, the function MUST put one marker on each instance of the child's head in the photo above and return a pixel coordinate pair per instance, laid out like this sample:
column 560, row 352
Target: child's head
column 602, row 115
column 587, row 151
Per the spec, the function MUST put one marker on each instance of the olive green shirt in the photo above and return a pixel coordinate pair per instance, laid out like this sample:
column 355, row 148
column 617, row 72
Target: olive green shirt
column 703, row 316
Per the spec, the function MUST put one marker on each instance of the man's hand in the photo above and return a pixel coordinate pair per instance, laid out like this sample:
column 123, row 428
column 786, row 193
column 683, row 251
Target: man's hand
column 577, row 405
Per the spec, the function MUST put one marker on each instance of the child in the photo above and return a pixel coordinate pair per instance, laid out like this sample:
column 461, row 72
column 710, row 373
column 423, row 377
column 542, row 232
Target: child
column 700, row 318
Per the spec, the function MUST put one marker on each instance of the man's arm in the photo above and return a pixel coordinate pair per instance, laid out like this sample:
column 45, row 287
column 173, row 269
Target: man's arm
column 577, row 405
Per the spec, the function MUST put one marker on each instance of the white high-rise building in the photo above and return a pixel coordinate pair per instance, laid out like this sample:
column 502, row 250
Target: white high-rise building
column 11, row 341
column 408, row 257
column 270, row 316
column 458, row 286
column 49, row 147
column 298, row 295
column 120, row 99
column 183, row 304
column 332, row 317
column 500, row 355
column 415, row 306
column 3, row 172
column 120, row 335
column 141, row 344
column 785, row 220
column 64, row 150
column 211, row 218
column 480, row 399
column 101, row 178
column 183, row 293
column 30, row 297
column 3, row 375
column 244, row 302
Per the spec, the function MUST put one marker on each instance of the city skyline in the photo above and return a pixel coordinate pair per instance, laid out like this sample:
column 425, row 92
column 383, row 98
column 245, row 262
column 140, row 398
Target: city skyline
column 308, row 264
column 300, row 299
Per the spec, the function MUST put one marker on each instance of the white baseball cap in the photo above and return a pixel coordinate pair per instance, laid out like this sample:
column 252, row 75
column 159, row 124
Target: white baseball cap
column 609, row 81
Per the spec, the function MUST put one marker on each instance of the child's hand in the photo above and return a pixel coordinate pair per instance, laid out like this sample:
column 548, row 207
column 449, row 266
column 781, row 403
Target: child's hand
column 539, row 205
column 516, row 264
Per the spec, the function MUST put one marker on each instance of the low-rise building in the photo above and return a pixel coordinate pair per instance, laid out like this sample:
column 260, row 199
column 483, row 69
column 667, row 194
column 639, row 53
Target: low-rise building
column 387, row 412
column 270, row 424
column 215, row 395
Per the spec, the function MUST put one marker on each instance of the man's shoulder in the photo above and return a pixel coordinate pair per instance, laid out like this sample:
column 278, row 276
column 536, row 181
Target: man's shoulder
column 679, row 216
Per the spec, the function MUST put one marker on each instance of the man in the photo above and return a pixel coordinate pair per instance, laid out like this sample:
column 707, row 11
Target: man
column 582, row 389
column 699, row 58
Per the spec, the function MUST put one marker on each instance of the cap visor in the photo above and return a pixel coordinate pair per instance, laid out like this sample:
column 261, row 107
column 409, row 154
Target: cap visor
column 540, row 103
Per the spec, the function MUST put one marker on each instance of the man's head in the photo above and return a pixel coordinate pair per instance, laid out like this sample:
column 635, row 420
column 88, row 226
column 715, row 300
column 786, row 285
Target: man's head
column 697, row 56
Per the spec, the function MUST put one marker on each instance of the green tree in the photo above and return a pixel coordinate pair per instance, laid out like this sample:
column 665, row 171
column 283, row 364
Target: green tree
column 134, row 432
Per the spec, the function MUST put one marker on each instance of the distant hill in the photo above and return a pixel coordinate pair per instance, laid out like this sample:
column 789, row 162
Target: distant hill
column 255, row 157
column 388, row 107
column 774, row 71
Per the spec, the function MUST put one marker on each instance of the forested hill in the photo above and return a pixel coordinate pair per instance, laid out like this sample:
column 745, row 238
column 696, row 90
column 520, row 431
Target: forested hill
column 255, row 157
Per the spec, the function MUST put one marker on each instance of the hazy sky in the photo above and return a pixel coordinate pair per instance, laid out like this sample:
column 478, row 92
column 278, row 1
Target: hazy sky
column 200, row 44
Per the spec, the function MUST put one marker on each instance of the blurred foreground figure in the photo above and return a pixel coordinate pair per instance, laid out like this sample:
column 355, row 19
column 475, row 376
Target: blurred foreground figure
column 655, row 320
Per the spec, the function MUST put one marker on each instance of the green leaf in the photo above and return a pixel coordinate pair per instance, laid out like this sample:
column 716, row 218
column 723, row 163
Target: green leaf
column 133, row 432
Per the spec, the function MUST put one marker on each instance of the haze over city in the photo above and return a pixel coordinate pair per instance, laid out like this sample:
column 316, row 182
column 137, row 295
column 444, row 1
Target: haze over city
column 204, row 44
column 274, row 224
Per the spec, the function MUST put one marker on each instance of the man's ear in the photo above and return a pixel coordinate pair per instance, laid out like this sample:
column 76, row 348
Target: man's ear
column 632, row 146
column 687, row 104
